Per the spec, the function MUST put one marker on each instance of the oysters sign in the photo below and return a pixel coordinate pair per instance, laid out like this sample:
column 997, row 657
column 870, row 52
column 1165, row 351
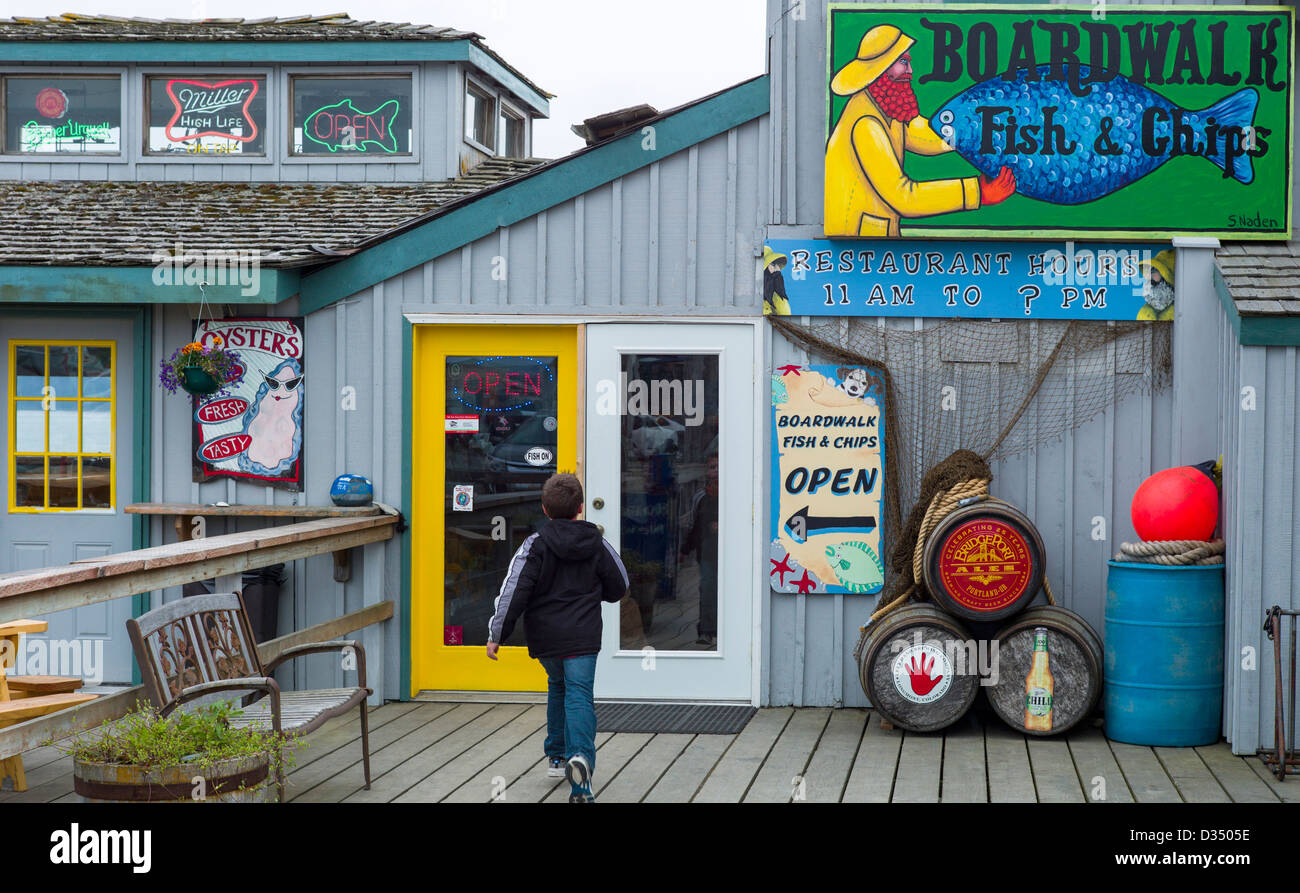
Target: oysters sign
column 1049, row 121
column 253, row 429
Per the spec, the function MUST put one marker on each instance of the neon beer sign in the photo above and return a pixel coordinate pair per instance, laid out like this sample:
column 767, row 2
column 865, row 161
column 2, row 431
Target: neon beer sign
column 212, row 109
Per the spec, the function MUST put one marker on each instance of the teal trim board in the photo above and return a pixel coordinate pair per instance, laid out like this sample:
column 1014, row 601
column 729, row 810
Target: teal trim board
column 338, row 52
column 1257, row 331
column 131, row 285
column 408, row 348
column 554, row 184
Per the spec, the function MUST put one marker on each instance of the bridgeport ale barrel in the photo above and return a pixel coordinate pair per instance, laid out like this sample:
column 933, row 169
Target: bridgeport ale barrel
column 984, row 562
column 1049, row 664
column 918, row 668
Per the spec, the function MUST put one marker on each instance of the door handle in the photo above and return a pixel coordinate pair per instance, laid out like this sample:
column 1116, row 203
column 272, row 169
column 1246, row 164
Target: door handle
column 598, row 503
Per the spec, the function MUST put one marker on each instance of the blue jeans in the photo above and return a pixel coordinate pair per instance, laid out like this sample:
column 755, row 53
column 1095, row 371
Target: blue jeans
column 570, row 707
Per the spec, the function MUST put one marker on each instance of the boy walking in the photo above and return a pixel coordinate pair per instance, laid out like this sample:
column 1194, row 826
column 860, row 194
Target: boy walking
column 556, row 582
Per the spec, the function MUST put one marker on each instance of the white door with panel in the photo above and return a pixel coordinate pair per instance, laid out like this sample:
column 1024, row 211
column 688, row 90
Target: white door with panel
column 68, row 454
column 670, row 476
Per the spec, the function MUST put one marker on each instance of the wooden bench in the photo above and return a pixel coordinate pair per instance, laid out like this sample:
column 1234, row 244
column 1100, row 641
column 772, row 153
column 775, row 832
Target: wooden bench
column 25, row 697
column 203, row 645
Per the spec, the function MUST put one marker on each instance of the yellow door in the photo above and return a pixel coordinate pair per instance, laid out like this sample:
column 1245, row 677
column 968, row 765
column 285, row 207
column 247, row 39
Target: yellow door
column 494, row 415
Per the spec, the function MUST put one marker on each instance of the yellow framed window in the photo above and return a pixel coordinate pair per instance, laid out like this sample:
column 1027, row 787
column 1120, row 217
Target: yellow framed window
column 62, row 425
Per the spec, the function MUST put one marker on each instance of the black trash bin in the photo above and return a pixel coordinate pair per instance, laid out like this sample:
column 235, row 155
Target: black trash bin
column 261, row 597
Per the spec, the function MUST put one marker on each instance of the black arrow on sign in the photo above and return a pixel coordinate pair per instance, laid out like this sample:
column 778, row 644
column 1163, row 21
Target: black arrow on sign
column 801, row 525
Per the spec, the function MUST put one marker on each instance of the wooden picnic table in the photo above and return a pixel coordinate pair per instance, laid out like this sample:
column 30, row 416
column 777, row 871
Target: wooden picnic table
column 25, row 697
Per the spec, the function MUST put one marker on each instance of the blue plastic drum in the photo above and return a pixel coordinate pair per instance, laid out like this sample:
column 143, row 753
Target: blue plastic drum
column 1164, row 654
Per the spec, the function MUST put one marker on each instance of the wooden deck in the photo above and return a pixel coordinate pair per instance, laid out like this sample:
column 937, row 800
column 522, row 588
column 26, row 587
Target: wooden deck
column 477, row 752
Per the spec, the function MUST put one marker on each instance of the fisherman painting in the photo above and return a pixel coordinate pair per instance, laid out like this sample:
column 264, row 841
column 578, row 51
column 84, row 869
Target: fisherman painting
column 867, row 191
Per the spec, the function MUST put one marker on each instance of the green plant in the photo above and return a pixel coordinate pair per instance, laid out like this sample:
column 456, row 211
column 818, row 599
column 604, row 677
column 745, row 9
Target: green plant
column 223, row 365
column 200, row 738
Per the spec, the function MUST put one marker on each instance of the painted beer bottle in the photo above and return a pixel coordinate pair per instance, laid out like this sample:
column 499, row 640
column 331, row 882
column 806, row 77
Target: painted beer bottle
column 1038, row 687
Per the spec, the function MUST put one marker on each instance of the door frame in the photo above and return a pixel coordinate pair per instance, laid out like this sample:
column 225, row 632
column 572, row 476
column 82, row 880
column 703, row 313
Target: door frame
column 141, row 318
column 413, row 317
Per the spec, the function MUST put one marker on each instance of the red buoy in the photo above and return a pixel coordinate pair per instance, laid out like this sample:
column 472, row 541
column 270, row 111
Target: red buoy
column 1176, row 504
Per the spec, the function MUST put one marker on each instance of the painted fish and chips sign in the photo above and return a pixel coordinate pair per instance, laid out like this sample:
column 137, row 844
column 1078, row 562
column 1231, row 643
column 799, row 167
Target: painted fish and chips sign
column 1098, row 121
column 827, row 480
column 253, row 429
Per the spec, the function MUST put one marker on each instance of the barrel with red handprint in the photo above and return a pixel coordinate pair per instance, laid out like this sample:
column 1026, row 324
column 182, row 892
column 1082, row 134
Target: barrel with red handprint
column 919, row 668
column 984, row 561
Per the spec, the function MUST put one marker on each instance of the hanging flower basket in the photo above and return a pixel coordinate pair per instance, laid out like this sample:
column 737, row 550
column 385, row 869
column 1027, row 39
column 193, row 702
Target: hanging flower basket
column 199, row 370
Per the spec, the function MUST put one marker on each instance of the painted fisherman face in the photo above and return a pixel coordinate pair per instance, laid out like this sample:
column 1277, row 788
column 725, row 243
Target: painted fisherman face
column 1158, row 292
column 892, row 91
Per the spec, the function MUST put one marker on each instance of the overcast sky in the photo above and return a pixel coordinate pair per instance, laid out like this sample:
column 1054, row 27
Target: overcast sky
column 594, row 55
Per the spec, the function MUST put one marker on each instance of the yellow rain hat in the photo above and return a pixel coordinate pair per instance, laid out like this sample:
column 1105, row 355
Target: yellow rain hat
column 880, row 48
column 769, row 256
column 1163, row 264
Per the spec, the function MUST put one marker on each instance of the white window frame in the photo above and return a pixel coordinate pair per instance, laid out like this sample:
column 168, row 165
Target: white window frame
column 418, row 124
column 474, row 84
column 506, row 109
column 123, row 155
column 268, row 155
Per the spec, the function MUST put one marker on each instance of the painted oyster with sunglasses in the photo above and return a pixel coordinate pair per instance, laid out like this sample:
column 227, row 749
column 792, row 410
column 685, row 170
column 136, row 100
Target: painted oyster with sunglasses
column 273, row 422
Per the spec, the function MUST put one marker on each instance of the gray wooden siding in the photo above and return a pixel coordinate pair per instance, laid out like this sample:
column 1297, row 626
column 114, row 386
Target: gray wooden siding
column 438, row 144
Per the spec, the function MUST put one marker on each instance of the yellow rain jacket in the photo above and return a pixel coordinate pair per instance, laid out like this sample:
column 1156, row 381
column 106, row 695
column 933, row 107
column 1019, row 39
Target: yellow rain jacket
column 866, row 189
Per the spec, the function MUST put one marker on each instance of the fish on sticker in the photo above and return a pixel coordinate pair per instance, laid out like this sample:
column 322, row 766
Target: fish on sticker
column 341, row 126
column 1068, row 149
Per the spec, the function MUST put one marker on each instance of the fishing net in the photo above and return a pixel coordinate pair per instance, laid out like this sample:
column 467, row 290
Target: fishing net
column 994, row 388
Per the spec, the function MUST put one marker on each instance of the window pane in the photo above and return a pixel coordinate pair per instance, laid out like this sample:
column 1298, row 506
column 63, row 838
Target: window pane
column 67, row 116
column 514, row 136
column 96, row 428
column 96, row 483
column 63, row 426
column 29, row 427
column 63, row 482
column 29, row 481
column 207, row 116
column 30, row 370
column 63, row 372
column 480, row 118
column 365, row 116
column 96, row 372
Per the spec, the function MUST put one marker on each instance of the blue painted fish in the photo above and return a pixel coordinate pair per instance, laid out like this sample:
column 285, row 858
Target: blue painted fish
column 1031, row 126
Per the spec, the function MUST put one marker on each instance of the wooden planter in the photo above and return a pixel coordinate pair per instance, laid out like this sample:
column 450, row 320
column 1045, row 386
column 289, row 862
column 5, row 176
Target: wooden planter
column 243, row 780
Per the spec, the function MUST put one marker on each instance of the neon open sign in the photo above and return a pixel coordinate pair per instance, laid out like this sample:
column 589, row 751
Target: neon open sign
column 498, row 384
column 343, row 126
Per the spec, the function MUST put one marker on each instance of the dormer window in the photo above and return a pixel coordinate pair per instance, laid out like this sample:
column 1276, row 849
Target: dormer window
column 360, row 115
column 480, row 117
column 514, row 133
column 47, row 115
column 206, row 115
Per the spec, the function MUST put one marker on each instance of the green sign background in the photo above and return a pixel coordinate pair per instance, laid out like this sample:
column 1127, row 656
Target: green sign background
column 1185, row 195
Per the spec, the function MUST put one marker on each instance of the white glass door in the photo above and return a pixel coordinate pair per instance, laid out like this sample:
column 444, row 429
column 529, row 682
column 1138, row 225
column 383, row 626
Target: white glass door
column 670, row 457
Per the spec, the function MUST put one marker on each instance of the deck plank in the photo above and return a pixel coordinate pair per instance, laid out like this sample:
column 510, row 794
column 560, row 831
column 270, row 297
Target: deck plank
column 1242, row 784
column 872, row 778
column 687, row 773
column 341, row 731
column 340, row 773
column 1145, row 776
column 1287, row 791
column 1193, row 779
column 828, row 770
column 920, row 768
column 789, row 757
column 416, row 756
column 965, row 776
column 460, row 770
column 645, row 769
column 493, row 781
column 731, row 777
column 534, row 786
column 1010, row 778
column 1103, row 782
column 1055, row 777
column 610, row 760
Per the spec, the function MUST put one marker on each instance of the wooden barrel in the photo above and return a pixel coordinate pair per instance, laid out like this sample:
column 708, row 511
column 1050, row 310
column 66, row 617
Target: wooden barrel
column 236, row 780
column 984, row 561
column 915, row 668
column 1038, row 703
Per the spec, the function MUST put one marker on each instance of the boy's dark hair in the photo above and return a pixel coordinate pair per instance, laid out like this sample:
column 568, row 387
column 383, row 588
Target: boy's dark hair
column 562, row 497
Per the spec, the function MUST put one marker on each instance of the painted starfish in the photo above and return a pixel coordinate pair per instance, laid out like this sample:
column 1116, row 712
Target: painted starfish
column 782, row 567
column 805, row 585
column 786, row 370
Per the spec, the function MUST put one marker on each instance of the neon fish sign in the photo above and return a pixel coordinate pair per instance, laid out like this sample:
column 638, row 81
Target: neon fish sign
column 202, row 103
column 342, row 126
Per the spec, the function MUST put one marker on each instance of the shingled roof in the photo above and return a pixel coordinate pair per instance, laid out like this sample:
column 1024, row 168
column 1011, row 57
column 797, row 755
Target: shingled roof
column 1262, row 277
column 80, row 223
column 339, row 26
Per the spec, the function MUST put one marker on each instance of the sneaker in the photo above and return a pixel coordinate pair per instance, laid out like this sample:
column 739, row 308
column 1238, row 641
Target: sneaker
column 579, row 775
column 555, row 767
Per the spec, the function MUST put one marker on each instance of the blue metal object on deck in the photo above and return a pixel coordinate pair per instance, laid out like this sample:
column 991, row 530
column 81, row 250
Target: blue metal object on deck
column 351, row 490
column 1164, row 654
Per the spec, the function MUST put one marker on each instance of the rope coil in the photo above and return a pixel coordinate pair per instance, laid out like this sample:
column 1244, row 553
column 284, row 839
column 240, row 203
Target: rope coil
column 1173, row 552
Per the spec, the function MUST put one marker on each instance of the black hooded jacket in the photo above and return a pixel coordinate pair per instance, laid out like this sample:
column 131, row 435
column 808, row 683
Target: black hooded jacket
column 556, row 582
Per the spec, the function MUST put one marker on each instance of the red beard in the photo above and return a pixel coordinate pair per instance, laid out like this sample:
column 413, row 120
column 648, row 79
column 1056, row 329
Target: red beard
column 895, row 98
